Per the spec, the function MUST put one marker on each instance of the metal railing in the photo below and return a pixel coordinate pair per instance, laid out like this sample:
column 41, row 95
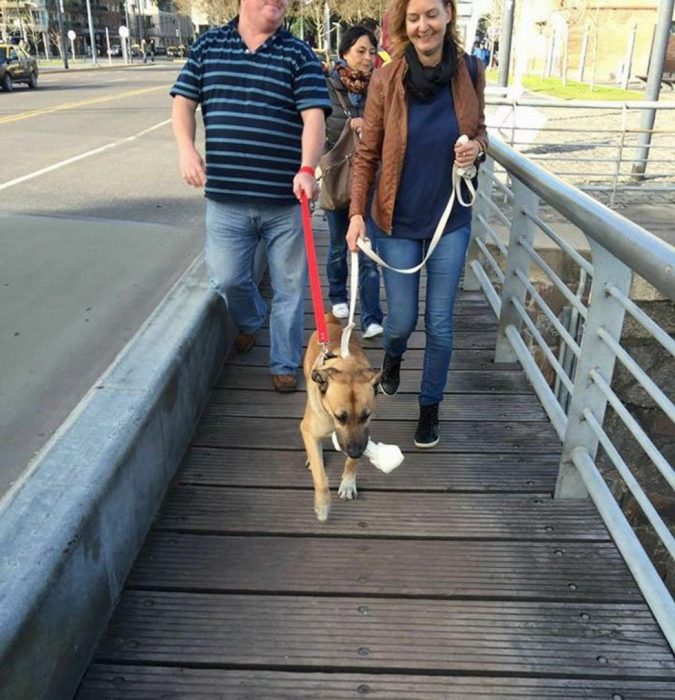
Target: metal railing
column 574, row 383
column 591, row 144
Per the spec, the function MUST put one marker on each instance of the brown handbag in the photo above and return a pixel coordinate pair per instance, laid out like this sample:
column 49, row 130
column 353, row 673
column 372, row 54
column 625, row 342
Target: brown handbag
column 336, row 166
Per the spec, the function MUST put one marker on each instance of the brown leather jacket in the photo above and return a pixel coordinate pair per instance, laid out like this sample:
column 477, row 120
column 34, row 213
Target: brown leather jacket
column 385, row 136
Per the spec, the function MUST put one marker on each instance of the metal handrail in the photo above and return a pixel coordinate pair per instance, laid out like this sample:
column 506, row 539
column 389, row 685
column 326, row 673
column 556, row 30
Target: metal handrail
column 648, row 255
column 614, row 144
column 619, row 248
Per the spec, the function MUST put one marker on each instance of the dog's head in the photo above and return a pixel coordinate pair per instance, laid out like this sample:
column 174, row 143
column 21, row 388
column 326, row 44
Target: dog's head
column 348, row 395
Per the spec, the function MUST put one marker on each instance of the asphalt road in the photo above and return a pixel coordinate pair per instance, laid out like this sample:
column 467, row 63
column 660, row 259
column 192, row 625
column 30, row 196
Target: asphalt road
column 95, row 228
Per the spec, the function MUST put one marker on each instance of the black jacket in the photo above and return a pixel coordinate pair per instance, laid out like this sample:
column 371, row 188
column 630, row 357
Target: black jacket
column 337, row 118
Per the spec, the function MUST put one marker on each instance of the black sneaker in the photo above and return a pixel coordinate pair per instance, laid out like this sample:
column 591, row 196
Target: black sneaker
column 391, row 374
column 426, row 434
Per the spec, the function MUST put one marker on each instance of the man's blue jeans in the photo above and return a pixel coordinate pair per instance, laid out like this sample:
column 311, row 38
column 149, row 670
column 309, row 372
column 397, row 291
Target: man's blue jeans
column 233, row 232
column 337, row 271
column 443, row 271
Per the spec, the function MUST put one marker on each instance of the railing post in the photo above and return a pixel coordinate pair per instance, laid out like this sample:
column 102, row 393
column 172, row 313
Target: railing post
column 522, row 227
column 481, row 208
column 604, row 312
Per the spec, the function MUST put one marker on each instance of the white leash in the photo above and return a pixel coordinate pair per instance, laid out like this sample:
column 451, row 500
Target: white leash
column 459, row 175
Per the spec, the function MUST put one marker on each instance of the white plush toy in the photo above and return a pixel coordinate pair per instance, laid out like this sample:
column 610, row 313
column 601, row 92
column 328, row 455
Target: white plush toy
column 385, row 457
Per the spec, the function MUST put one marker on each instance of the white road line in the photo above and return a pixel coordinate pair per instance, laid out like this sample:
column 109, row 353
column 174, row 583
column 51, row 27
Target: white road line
column 74, row 159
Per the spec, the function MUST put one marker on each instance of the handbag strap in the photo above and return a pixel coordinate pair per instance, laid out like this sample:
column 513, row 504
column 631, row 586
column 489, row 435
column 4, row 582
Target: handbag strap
column 343, row 103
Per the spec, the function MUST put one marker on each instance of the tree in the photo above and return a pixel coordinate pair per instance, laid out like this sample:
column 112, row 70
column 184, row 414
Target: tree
column 217, row 11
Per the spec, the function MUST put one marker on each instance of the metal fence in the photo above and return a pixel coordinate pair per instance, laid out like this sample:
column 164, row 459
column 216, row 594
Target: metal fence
column 569, row 349
column 593, row 145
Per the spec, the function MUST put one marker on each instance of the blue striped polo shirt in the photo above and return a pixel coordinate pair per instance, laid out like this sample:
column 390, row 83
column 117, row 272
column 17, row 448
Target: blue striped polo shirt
column 251, row 105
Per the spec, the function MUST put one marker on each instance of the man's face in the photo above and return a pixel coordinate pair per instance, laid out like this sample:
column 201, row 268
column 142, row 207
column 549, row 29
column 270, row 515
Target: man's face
column 269, row 13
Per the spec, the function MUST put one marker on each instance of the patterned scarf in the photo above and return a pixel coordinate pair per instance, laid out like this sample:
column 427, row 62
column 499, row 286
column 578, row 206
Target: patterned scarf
column 355, row 81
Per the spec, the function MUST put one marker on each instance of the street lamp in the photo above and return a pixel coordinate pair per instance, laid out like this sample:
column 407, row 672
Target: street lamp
column 133, row 12
column 62, row 38
column 127, row 38
column 92, row 39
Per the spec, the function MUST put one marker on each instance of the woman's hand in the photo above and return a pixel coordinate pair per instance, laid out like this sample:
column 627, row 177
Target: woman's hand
column 357, row 125
column 466, row 153
column 357, row 229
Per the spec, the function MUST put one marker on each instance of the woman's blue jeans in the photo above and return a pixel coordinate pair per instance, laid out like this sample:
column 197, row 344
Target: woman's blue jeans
column 337, row 271
column 443, row 271
column 233, row 232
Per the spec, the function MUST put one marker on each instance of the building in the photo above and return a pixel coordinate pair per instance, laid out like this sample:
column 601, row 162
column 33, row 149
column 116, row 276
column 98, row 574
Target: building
column 584, row 39
column 34, row 22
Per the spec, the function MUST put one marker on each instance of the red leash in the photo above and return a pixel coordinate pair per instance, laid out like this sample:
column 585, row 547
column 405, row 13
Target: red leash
column 313, row 270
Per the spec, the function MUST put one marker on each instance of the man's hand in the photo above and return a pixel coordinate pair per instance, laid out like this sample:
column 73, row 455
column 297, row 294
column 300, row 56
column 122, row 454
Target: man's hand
column 304, row 182
column 357, row 229
column 192, row 168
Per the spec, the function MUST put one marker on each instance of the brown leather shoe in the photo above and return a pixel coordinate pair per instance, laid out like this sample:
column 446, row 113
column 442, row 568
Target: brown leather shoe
column 285, row 383
column 244, row 342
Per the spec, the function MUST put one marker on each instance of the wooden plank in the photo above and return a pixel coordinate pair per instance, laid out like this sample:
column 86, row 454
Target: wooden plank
column 504, row 382
column 467, row 436
column 361, row 633
column 479, row 360
column 337, row 566
column 514, row 408
column 122, row 682
column 479, row 320
column 380, row 514
column 462, row 308
column 471, row 340
column 421, row 471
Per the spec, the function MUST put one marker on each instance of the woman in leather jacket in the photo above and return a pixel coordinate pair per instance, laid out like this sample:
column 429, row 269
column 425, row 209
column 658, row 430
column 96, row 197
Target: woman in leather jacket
column 349, row 81
column 418, row 105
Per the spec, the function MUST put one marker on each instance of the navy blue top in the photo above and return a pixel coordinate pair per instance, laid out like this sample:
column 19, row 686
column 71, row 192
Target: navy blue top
column 251, row 105
column 426, row 179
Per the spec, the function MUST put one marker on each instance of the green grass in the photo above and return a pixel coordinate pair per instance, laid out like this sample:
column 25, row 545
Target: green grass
column 574, row 90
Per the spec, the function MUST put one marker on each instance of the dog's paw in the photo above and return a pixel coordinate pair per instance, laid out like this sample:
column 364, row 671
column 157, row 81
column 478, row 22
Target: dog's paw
column 347, row 490
column 322, row 512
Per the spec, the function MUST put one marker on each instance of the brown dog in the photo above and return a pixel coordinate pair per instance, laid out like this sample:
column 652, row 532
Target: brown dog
column 340, row 398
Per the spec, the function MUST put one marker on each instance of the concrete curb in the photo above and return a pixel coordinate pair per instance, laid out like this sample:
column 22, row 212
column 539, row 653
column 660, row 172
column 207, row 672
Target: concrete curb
column 72, row 527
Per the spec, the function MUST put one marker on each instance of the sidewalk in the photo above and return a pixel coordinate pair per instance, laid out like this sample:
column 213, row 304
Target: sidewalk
column 80, row 65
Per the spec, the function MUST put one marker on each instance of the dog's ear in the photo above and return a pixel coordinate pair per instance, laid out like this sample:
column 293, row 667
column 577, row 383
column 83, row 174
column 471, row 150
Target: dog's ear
column 323, row 376
column 320, row 377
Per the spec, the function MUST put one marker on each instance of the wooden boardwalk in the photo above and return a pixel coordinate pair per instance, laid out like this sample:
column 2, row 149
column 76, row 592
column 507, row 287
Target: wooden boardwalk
column 456, row 576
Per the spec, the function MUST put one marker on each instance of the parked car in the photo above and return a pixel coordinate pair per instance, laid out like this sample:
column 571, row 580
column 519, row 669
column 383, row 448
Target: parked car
column 176, row 51
column 115, row 49
column 160, row 50
column 17, row 66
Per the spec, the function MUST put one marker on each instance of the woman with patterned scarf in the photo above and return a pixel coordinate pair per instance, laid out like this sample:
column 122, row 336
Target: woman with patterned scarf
column 350, row 78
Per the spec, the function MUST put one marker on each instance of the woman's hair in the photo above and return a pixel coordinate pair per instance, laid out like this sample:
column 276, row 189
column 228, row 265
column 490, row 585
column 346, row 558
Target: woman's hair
column 351, row 36
column 396, row 24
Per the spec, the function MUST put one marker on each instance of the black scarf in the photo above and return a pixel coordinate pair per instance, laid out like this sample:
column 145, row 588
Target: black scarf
column 423, row 82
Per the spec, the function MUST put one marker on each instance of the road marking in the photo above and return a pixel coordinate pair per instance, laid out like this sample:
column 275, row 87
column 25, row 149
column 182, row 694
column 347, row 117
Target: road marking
column 82, row 103
column 74, row 159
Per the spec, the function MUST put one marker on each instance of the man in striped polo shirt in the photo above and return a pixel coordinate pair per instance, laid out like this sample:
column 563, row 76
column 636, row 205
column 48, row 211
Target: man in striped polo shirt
column 263, row 99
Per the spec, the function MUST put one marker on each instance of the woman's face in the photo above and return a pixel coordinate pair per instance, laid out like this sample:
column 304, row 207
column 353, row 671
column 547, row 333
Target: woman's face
column 361, row 55
column 425, row 25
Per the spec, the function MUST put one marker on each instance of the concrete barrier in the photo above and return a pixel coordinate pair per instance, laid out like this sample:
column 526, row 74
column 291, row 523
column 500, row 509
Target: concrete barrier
column 72, row 527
